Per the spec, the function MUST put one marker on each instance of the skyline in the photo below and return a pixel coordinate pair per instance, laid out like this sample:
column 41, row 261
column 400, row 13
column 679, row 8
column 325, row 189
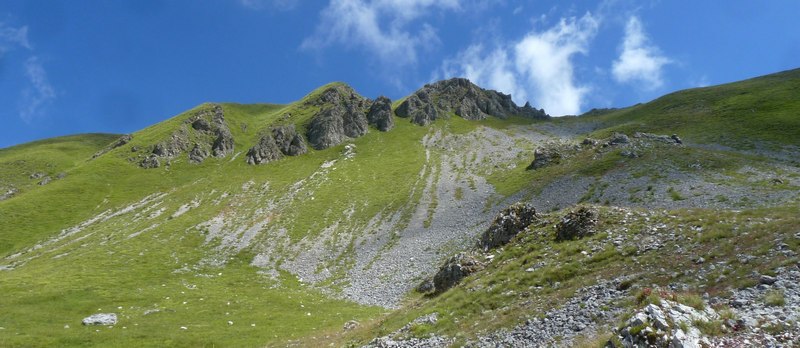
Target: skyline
column 118, row 67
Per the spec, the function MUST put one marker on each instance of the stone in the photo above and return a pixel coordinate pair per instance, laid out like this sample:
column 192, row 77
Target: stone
column 46, row 180
column 351, row 325
column 619, row 138
column 354, row 122
column 61, row 175
column 289, row 141
column 150, row 161
column 8, row 193
column 326, row 129
column 380, row 114
column 657, row 315
column 264, row 152
column 676, row 139
column 100, row 319
column 198, row 154
column 576, row 224
column 543, row 157
column 426, row 286
column 454, row 270
column 507, row 224
column 37, row 175
column 767, row 280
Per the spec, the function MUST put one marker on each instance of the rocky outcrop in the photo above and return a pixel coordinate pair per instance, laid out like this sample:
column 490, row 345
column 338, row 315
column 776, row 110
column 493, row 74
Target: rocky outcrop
column 380, row 114
column 265, row 151
column 465, row 99
column 543, row 157
column 7, row 193
column 669, row 139
column 289, row 141
column 206, row 130
column 666, row 324
column 100, row 319
column 454, row 270
column 341, row 116
column 618, row 139
column 577, row 223
column 507, row 224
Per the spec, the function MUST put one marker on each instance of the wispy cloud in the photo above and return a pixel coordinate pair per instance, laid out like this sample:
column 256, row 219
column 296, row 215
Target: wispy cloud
column 381, row 28
column 640, row 61
column 537, row 66
column 38, row 94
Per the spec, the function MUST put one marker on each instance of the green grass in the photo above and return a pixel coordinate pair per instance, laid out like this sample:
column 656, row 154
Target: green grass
column 740, row 114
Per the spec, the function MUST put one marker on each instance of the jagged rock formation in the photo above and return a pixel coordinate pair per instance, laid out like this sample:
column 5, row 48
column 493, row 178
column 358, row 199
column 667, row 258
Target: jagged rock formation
column 577, row 223
column 206, row 129
column 380, row 114
column 341, row 116
column 465, row 99
column 507, row 224
column 455, row 269
column 264, row 152
column 289, row 141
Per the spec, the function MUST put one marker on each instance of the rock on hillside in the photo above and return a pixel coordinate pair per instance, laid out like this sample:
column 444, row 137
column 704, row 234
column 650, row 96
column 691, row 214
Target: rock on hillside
column 342, row 116
column 205, row 132
column 282, row 140
column 507, row 224
column 465, row 99
column 380, row 114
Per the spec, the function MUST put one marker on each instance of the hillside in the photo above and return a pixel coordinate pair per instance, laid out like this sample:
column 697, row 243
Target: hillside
column 266, row 224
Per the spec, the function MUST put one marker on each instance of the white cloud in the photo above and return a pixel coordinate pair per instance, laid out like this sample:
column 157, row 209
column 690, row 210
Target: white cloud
column 381, row 27
column 639, row 61
column 38, row 94
column 11, row 38
column 538, row 66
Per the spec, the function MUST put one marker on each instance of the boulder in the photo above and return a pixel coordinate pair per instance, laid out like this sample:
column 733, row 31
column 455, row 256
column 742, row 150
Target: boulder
column 7, row 193
column 543, row 157
column 37, row 175
column 380, row 114
column 576, row 224
column 149, row 162
column 619, row 138
column 454, row 270
column 289, row 142
column 507, row 224
column 100, row 319
column 265, row 151
column 46, row 180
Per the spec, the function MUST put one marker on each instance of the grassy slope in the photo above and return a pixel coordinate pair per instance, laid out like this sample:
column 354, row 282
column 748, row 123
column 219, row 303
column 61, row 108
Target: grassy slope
column 740, row 114
column 50, row 157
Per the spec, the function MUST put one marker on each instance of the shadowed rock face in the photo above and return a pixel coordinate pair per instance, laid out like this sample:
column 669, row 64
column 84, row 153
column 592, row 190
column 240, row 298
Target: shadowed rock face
column 380, row 114
column 507, row 224
column 264, row 152
column 455, row 269
column 289, row 142
column 341, row 117
column 462, row 97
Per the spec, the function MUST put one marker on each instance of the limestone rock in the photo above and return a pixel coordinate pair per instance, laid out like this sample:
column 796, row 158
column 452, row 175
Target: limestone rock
column 100, row 319
column 577, row 224
column 341, row 117
column 8, row 193
column 150, row 162
column 46, row 180
column 462, row 97
column 326, row 129
column 380, row 114
column 543, row 157
column 198, row 154
column 265, row 151
column 619, row 138
column 507, row 224
column 455, row 269
column 289, row 141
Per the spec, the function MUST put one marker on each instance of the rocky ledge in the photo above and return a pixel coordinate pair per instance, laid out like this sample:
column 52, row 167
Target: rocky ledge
column 465, row 99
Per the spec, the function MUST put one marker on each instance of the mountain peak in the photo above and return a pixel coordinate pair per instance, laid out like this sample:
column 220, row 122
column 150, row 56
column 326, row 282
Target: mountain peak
column 463, row 98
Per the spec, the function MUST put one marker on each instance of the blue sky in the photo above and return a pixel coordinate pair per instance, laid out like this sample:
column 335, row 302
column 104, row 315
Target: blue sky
column 118, row 66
